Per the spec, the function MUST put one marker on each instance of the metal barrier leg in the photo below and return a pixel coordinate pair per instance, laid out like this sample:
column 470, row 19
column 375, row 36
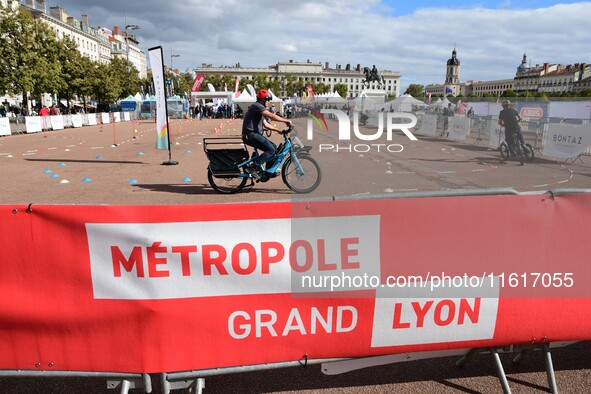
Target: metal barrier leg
column 500, row 371
column 462, row 361
column 165, row 384
column 550, row 369
column 199, row 385
column 520, row 355
column 147, row 383
column 125, row 385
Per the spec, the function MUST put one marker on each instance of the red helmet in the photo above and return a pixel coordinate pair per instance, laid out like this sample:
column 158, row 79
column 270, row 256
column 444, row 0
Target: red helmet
column 263, row 95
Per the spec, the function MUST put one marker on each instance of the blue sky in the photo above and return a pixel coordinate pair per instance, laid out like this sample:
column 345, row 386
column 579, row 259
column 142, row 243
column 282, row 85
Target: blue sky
column 400, row 8
column 413, row 38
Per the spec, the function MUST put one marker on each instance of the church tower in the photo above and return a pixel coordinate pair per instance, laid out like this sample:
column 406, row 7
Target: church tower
column 452, row 75
column 523, row 67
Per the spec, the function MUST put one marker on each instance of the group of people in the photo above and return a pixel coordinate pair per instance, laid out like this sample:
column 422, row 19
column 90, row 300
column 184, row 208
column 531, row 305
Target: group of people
column 53, row 110
column 220, row 111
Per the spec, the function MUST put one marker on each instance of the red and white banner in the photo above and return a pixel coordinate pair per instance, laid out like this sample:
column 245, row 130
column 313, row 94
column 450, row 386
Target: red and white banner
column 197, row 82
column 196, row 287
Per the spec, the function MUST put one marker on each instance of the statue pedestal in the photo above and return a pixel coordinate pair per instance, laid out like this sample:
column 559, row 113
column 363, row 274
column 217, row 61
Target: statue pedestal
column 376, row 95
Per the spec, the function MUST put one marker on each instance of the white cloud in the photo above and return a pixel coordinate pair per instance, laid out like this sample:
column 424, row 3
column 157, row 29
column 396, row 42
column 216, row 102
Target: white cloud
column 490, row 43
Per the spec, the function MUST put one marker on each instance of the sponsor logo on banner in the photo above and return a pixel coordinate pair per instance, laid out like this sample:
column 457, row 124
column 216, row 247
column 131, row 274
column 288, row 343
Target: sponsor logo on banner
column 534, row 113
column 435, row 316
column 197, row 83
column 206, row 259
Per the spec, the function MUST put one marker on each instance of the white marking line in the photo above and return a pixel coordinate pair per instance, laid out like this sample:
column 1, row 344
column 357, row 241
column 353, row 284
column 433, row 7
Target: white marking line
column 33, row 150
column 52, row 148
column 69, row 146
column 97, row 147
column 4, row 154
column 28, row 154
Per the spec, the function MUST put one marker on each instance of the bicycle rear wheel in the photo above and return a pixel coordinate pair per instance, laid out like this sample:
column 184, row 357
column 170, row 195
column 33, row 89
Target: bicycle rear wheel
column 302, row 179
column 504, row 149
column 226, row 184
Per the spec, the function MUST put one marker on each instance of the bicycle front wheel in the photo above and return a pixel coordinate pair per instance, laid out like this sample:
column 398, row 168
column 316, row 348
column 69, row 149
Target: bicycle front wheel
column 226, row 184
column 303, row 178
column 504, row 149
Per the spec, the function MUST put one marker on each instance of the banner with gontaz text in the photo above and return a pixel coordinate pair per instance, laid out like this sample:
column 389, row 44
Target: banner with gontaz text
column 158, row 75
column 173, row 288
column 566, row 141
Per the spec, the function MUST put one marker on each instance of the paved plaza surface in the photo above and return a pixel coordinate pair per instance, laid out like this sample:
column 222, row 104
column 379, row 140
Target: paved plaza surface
column 119, row 165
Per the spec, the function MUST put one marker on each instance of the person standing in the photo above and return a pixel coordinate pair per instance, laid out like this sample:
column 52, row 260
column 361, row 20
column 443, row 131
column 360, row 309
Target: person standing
column 447, row 113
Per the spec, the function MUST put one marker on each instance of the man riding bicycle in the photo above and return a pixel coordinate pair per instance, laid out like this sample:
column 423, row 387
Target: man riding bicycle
column 253, row 127
column 509, row 118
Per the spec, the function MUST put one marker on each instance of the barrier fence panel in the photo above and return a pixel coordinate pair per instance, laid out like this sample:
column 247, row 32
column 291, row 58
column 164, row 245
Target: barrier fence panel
column 151, row 289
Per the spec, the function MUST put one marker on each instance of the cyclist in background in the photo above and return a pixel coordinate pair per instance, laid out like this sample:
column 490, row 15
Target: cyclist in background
column 509, row 118
column 253, row 128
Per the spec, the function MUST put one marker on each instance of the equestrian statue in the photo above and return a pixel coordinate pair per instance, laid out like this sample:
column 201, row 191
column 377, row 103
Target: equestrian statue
column 373, row 75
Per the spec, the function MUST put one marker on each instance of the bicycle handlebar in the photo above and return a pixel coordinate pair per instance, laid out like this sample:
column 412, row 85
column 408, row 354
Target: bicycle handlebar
column 287, row 131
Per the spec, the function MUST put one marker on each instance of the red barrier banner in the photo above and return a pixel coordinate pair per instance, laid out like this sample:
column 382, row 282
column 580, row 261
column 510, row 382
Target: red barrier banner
column 172, row 288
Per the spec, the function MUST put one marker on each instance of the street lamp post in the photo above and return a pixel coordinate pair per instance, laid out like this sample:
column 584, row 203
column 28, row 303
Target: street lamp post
column 172, row 72
column 129, row 27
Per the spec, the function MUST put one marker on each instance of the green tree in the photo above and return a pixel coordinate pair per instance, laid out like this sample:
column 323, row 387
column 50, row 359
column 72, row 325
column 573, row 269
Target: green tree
column 86, row 79
column 509, row 93
column 291, row 85
column 261, row 81
column 24, row 66
column 341, row 89
column 73, row 71
column 222, row 82
column 106, row 88
column 416, row 90
column 126, row 77
column 186, row 82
